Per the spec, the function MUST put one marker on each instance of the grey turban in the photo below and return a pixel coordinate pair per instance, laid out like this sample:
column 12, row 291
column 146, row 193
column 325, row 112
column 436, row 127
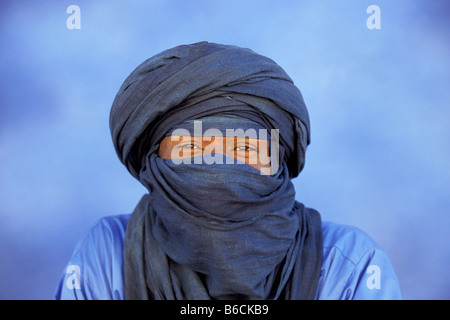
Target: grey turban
column 201, row 79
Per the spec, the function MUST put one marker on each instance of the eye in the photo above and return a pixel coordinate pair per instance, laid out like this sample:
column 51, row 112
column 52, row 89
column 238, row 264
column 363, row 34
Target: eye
column 242, row 148
column 187, row 149
column 189, row 146
column 246, row 148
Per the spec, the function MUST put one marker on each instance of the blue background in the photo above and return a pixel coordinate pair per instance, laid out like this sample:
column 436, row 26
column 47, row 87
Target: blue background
column 378, row 101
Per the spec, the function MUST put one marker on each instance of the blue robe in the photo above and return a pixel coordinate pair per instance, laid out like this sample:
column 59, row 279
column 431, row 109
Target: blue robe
column 353, row 266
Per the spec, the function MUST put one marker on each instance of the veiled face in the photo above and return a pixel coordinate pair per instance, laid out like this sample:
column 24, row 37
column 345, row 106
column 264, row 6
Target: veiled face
column 254, row 152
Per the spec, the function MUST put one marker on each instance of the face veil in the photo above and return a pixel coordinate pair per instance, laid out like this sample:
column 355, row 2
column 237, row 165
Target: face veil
column 221, row 230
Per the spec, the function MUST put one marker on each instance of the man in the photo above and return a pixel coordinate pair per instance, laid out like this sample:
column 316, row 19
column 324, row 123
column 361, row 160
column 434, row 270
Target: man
column 216, row 133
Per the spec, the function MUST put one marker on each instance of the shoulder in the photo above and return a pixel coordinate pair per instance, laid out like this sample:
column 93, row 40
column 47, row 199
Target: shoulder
column 354, row 266
column 351, row 242
column 107, row 232
column 95, row 270
column 105, row 239
column 111, row 227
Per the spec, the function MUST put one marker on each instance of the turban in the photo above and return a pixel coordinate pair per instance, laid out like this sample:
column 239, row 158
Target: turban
column 201, row 79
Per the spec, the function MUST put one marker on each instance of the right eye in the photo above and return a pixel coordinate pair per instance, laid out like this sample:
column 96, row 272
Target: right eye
column 189, row 146
column 188, row 149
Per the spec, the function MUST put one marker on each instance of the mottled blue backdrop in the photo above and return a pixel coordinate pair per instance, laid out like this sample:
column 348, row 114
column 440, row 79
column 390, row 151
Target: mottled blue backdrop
column 379, row 103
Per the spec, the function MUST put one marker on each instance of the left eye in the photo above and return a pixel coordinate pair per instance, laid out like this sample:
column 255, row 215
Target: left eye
column 245, row 148
column 188, row 146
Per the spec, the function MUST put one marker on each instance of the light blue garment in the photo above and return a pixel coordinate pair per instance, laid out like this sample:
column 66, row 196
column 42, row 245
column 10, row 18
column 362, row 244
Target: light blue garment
column 353, row 266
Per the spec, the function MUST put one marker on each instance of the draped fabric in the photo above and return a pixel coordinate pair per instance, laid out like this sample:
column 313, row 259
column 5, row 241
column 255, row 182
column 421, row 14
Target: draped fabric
column 215, row 231
column 256, row 247
column 190, row 81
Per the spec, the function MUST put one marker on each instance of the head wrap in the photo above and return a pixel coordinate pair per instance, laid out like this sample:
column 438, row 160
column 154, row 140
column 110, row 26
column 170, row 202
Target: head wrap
column 213, row 231
column 191, row 81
